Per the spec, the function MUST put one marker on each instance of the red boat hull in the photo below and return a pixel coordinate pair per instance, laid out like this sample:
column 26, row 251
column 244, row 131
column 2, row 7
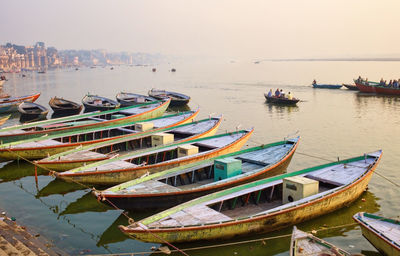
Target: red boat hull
column 378, row 89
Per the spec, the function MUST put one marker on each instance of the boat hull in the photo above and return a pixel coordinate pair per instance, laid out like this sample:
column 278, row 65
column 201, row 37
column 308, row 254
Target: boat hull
column 380, row 242
column 281, row 101
column 351, row 87
column 378, row 89
column 149, row 201
column 123, row 175
column 327, row 86
column 261, row 224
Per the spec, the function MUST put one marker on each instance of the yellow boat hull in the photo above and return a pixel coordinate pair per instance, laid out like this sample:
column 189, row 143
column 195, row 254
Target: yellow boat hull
column 119, row 176
column 260, row 224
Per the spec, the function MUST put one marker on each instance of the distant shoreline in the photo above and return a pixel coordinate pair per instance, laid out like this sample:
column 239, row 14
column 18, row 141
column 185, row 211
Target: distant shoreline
column 336, row 59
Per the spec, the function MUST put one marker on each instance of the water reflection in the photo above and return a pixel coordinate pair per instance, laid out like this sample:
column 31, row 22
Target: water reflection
column 281, row 109
column 59, row 187
column 15, row 170
column 87, row 203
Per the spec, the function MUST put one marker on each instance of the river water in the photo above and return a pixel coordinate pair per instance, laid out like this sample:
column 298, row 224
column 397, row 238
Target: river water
column 331, row 123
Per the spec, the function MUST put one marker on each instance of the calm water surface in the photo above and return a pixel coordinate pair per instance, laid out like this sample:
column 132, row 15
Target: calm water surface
column 332, row 124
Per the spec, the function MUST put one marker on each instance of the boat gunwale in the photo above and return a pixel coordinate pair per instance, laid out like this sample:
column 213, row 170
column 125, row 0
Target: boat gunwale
column 289, row 154
column 215, row 225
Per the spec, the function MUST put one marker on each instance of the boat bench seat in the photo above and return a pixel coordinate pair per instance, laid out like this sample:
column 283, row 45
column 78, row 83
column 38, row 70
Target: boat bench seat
column 324, row 180
column 252, row 161
column 126, row 130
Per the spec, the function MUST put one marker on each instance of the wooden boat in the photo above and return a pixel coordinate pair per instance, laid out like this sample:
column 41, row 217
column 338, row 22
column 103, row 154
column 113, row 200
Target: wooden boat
column 351, row 87
column 4, row 119
column 131, row 166
column 383, row 233
column 94, row 103
column 181, row 184
column 83, row 121
column 38, row 148
column 30, row 111
column 101, row 151
column 62, row 106
column 9, row 107
column 305, row 244
column 177, row 99
column 281, row 100
column 261, row 206
column 129, row 99
column 20, row 99
column 327, row 86
column 374, row 87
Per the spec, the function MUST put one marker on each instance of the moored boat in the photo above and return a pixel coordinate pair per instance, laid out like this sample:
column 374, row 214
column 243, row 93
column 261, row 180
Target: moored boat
column 83, row 121
column 25, row 98
column 32, row 111
column 95, row 103
column 177, row 99
column 351, row 87
column 305, row 244
column 62, row 106
column 129, row 144
column 261, row 206
column 129, row 99
column 374, row 87
column 181, row 184
column 281, row 100
column 383, row 233
column 38, row 148
column 131, row 166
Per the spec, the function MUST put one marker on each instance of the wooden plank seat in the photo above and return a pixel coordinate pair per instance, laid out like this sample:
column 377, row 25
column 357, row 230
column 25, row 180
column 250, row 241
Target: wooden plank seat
column 80, row 155
column 191, row 216
column 151, row 186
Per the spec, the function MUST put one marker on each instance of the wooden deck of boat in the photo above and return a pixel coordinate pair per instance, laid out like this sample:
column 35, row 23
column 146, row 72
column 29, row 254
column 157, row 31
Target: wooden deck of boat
column 16, row 240
column 197, row 127
column 387, row 229
column 39, row 143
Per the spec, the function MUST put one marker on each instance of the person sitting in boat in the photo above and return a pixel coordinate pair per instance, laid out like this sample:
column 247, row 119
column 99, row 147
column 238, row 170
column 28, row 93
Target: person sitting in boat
column 269, row 93
column 366, row 81
column 381, row 82
column 281, row 93
column 277, row 93
column 359, row 79
column 395, row 84
column 289, row 96
column 390, row 83
column 314, row 82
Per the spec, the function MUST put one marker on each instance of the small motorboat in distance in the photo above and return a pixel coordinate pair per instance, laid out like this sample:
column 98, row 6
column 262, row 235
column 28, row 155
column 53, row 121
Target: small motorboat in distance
column 62, row 106
column 94, row 103
column 326, row 86
column 32, row 111
column 281, row 100
column 177, row 99
column 351, row 87
column 383, row 233
column 129, row 99
column 303, row 244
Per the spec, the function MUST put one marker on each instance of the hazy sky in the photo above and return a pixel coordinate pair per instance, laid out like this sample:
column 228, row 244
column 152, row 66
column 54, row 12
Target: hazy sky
column 237, row 29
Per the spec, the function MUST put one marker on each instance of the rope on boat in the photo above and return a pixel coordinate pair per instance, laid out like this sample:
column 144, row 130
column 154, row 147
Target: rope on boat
column 262, row 240
column 130, row 220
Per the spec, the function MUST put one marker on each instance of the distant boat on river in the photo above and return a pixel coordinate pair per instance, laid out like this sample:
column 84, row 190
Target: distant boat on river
column 374, row 87
column 177, row 99
column 62, row 106
column 281, row 100
column 32, row 111
column 351, row 87
column 95, row 102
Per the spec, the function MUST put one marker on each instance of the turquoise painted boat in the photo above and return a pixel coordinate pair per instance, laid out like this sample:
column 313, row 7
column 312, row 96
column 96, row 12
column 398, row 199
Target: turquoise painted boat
column 261, row 206
column 178, row 185
column 83, row 121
